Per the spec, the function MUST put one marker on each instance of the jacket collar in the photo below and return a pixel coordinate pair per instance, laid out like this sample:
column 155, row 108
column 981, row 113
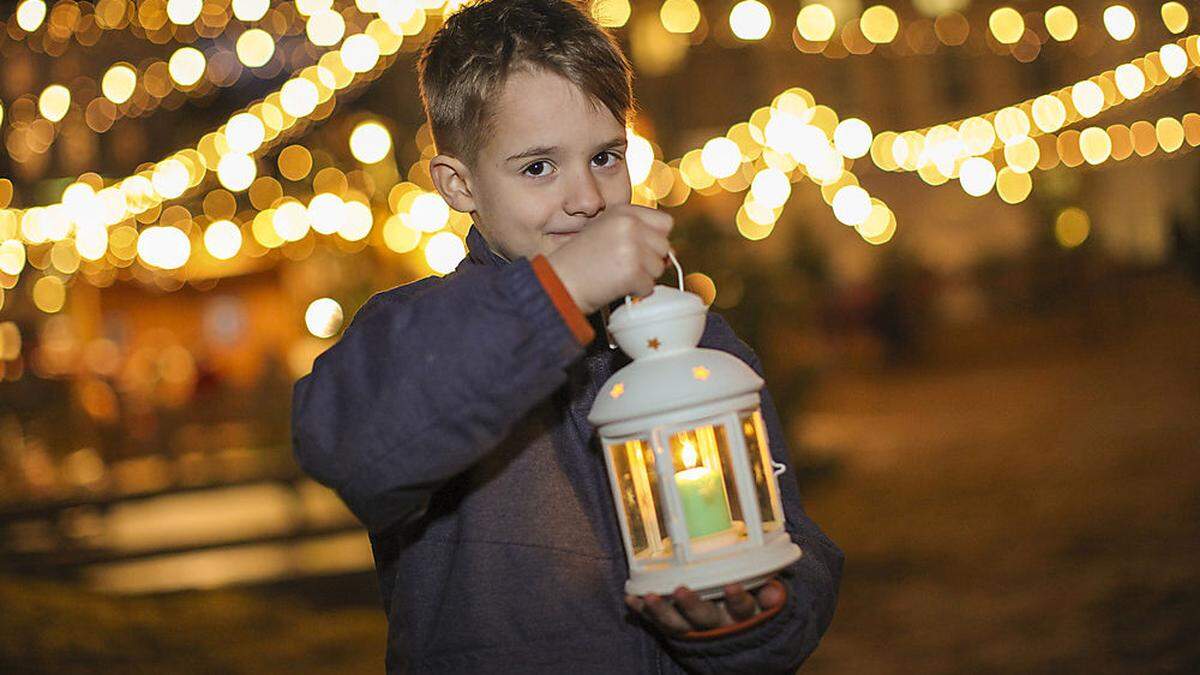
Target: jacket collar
column 480, row 253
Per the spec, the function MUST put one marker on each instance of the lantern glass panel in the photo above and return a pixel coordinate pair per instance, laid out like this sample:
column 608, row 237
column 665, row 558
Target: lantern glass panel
column 642, row 506
column 704, row 480
column 754, row 431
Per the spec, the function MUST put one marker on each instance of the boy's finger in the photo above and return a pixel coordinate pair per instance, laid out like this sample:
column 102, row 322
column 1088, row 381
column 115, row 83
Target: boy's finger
column 663, row 614
column 741, row 604
column 635, row 603
column 771, row 595
column 702, row 614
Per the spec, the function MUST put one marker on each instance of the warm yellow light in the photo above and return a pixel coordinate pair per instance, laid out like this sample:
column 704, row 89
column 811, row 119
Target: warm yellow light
column 1174, row 60
column 250, row 10
column 1131, row 81
column 255, row 47
column 323, row 317
column 299, row 97
column 170, row 178
column 1088, row 98
column 244, row 133
column 358, row 221
column 879, row 24
column 977, row 135
column 852, row 137
column 639, row 157
column 1071, row 227
column 1022, row 155
column 1061, row 23
column 370, row 142
column 184, row 12
column 1049, row 113
column 167, row 248
column 311, row 7
column 816, row 22
column 49, row 294
column 977, row 176
column 400, row 237
column 720, row 157
column 1170, row 133
column 326, row 212
column 30, row 15
column 118, row 83
column 360, row 53
column 851, row 205
column 12, row 257
column 295, row 161
column 429, row 212
column 611, row 13
column 680, row 16
column 750, row 20
column 325, row 28
column 54, row 102
column 444, row 251
column 1007, row 25
column 186, row 66
column 291, row 220
column 1120, row 22
column 1095, row 145
column 236, row 171
column 1013, row 187
column 1175, row 17
column 91, row 241
column 771, row 188
column 223, row 239
column 1012, row 124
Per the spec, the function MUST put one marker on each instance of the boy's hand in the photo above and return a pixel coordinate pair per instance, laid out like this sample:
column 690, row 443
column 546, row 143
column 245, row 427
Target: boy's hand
column 688, row 612
column 622, row 252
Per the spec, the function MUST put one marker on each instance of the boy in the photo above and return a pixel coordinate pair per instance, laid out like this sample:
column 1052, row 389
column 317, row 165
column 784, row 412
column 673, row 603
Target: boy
column 451, row 415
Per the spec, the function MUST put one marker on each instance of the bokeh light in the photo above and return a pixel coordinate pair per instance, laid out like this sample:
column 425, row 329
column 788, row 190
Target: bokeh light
column 750, row 20
column 444, row 251
column 118, row 83
column 1120, row 22
column 54, row 102
column 323, row 317
column 1071, row 227
column 370, row 142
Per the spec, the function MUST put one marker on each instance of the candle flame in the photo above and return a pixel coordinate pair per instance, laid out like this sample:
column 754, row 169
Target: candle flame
column 688, row 454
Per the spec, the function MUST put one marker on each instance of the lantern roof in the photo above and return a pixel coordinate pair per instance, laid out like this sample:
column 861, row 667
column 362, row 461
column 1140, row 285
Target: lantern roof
column 669, row 372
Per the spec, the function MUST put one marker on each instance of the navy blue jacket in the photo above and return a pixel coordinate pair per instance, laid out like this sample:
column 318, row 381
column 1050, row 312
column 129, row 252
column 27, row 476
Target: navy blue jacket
column 451, row 417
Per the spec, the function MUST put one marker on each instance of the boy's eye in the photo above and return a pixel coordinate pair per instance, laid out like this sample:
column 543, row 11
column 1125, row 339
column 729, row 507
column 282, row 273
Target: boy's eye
column 538, row 168
column 606, row 158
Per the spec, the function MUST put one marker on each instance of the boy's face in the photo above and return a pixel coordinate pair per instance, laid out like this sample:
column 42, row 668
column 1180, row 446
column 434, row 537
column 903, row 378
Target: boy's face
column 554, row 162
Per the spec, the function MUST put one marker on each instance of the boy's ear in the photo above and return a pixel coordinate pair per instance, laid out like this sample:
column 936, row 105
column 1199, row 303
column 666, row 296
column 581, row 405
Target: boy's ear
column 452, row 179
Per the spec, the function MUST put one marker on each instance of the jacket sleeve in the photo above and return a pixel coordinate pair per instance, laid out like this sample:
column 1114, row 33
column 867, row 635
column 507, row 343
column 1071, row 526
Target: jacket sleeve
column 420, row 388
column 781, row 643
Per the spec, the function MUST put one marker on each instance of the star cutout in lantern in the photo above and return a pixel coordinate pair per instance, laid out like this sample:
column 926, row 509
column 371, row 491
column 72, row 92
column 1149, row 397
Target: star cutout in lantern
column 700, row 373
column 617, row 390
column 653, row 343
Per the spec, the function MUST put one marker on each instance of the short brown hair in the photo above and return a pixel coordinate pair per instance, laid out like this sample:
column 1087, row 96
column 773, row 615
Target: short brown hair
column 465, row 64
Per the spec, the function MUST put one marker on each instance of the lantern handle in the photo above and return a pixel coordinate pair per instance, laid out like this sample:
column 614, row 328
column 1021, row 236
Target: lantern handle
column 678, row 274
column 780, row 467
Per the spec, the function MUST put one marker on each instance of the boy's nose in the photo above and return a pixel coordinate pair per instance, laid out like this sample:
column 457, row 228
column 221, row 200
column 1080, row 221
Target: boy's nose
column 584, row 198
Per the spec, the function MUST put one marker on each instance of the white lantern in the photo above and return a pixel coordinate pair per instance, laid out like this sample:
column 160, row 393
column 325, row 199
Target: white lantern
column 695, row 488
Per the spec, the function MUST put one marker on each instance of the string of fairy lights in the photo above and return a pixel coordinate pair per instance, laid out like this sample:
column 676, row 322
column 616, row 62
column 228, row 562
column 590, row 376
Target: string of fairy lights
column 94, row 228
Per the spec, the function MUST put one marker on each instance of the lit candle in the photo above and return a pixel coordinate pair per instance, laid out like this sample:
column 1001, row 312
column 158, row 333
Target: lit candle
column 704, row 503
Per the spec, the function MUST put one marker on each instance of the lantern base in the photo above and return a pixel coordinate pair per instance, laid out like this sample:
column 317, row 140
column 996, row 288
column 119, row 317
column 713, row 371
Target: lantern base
column 708, row 578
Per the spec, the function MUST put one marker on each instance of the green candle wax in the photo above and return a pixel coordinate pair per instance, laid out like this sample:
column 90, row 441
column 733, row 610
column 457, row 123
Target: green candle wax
column 705, row 508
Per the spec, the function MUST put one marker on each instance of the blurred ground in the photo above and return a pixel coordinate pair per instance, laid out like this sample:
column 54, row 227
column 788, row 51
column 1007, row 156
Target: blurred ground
column 1029, row 504
column 1030, row 508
